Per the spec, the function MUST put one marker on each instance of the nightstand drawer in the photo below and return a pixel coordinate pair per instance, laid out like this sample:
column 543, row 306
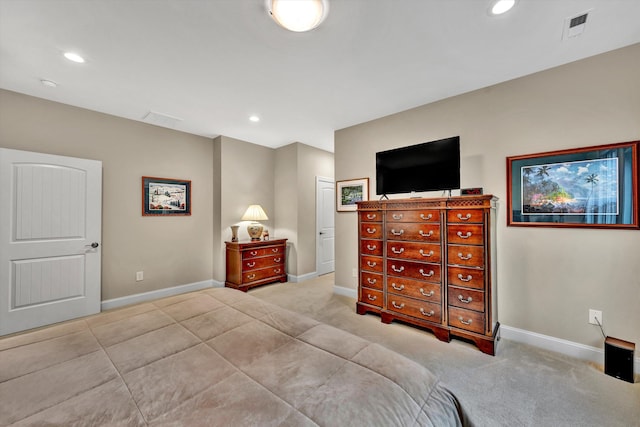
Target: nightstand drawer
column 259, row 252
column 257, row 263
column 254, row 275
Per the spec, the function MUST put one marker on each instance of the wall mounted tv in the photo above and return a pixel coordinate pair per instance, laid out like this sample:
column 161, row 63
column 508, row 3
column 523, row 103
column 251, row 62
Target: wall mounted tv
column 430, row 166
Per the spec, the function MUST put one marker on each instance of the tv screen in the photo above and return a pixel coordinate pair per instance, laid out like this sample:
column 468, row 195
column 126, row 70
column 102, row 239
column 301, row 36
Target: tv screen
column 430, row 166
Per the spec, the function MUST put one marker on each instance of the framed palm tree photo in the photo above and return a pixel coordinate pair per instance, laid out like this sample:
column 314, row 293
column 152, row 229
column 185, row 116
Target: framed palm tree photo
column 593, row 187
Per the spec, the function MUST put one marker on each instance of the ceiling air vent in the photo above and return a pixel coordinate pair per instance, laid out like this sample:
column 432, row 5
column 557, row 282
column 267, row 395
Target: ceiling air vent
column 161, row 119
column 575, row 25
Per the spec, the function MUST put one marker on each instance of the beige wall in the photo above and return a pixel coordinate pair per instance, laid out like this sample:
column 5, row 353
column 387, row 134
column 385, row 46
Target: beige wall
column 548, row 277
column 286, row 202
column 170, row 250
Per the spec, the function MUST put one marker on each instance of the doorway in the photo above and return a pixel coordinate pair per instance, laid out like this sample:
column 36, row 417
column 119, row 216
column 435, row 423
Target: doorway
column 325, row 225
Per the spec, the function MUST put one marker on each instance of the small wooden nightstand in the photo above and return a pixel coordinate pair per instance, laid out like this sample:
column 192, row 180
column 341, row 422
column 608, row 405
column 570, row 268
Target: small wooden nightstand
column 255, row 263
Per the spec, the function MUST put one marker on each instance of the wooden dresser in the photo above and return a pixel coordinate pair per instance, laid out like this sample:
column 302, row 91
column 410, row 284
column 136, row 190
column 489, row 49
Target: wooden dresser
column 255, row 263
column 431, row 263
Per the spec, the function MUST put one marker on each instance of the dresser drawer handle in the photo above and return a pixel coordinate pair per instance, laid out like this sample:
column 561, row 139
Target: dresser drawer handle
column 465, row 279
column 396, row 251
column 464, row 236
column 397, row 233
column 371, row 281
column 254, row 253
column 371, row 216
column 401, row 306
column 429, row 274
column 251, row 276
column 467, row 217
column 371, row 230
column 372, row 247
column 275, row 250
column 428, row 254
column 465, row 322
column 397, row 216
column 397, row 270
column 372, row 263
column 396, row 287
column 427, row 294
column 426, row 217
column 466, row 301
column 423, row 234
column 463, row 257
column 428, row 314
column 277, row 259
column 276, row 270
column 251, row 264
column 371, row 298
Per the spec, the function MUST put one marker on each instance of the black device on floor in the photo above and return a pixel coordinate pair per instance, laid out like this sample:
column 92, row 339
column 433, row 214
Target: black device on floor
column 618, row 358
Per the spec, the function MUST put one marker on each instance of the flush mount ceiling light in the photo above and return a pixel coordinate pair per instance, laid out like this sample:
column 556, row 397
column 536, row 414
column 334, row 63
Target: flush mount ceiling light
column 254, row 119
column 298, row 15
column 501, row 6
column 74, row 57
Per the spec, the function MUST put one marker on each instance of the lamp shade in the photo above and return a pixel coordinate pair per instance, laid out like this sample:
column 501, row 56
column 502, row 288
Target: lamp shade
column 298, row 15
column 255, row 213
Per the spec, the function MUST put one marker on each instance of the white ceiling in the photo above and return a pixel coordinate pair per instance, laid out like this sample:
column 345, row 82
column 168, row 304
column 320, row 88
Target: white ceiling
column 213, row 63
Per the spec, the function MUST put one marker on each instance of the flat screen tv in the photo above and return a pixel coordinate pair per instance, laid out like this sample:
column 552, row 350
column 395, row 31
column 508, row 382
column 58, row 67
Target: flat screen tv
column 430, row 166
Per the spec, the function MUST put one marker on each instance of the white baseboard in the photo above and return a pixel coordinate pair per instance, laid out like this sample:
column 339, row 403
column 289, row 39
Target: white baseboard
column 159, row 293
column 347, row 292
column 297, row 279
column 569, row 348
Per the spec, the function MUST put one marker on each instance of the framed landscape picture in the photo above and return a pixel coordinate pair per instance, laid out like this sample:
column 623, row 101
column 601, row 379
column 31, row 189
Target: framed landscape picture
column 349, row 192
column 165, row 196
column 593, row 187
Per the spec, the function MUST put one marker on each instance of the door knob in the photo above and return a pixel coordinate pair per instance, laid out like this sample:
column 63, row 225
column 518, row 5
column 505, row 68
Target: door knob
column 93, row 245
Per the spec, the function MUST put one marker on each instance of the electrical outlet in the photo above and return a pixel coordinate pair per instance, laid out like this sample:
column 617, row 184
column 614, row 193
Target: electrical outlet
column 354, row 272
column 593, row 314
column 139, row 276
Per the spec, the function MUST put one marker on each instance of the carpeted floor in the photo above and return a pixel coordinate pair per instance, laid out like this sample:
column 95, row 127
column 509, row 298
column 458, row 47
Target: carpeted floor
column 520, row 386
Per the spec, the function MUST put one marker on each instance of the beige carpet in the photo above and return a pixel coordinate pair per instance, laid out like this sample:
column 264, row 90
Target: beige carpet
column 112, row 368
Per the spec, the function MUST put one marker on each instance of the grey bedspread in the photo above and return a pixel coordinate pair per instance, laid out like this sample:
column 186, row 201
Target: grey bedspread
column 288, row 369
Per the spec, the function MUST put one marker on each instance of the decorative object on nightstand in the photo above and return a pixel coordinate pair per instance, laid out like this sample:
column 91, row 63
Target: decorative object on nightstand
column 255, row 213
column 234, row 233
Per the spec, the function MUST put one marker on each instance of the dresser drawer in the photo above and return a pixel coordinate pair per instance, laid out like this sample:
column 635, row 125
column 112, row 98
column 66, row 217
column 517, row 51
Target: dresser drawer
column 416, row 270
column 413, row 231
column 466, row 319
column 423, row 215
column 371, row 280
column 466, row 255
column 466, row 277
column 371, row 296
column 371, row 263
column 253, row 275
column 465, row 234
column 414, row 288
column 258, row 252
column 428, row 252
column 466, row 298
column 371, row 247
column 465, row 215
column 371, row 230
column 256, row 263
column 370, row 216
column 415, row 308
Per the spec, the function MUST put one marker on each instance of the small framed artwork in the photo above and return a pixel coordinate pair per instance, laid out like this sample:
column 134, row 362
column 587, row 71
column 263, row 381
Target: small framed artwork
column 592, row 187
column 351, row 191
column 165, row 196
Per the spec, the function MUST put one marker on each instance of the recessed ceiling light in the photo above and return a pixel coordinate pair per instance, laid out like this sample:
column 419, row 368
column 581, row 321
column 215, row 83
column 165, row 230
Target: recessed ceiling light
column 74, row 57
column 501, row 6
column 298, row 15
column 254, row 118
column 48, row 83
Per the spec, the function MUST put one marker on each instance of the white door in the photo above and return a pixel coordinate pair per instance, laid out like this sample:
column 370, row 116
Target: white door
column 50, row 228
column 325, row 211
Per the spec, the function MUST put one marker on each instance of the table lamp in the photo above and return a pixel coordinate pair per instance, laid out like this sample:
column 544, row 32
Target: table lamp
column 254, row 213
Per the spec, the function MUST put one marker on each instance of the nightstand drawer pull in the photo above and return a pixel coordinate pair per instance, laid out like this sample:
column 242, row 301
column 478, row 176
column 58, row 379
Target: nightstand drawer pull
column 251, row 276
column 428, row 314
column 253, row 253
column 372, row 247
column 277, row 259
column 277, row 270
column 397, row 216
column 427, row 294
column 371, row 298
column 465, row 218
column 464, row 257
column 466, row 301
column 428, row 254
column 371, row 216
column 396, row 269
column 275, row 250
column 426, row 217
column 396, row 287
column 372, row 263
column 465, row 322
column 423, row 234
column 397, row 233
column 251, row 264
column 464, row 236
column 371, row 230
column 371, row 281
column 401, row 306
column 397, row 251
column 465, row 279
column 429, row 274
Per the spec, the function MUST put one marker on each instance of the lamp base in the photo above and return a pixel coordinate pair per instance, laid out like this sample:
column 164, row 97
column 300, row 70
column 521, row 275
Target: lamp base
column 255, row 231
